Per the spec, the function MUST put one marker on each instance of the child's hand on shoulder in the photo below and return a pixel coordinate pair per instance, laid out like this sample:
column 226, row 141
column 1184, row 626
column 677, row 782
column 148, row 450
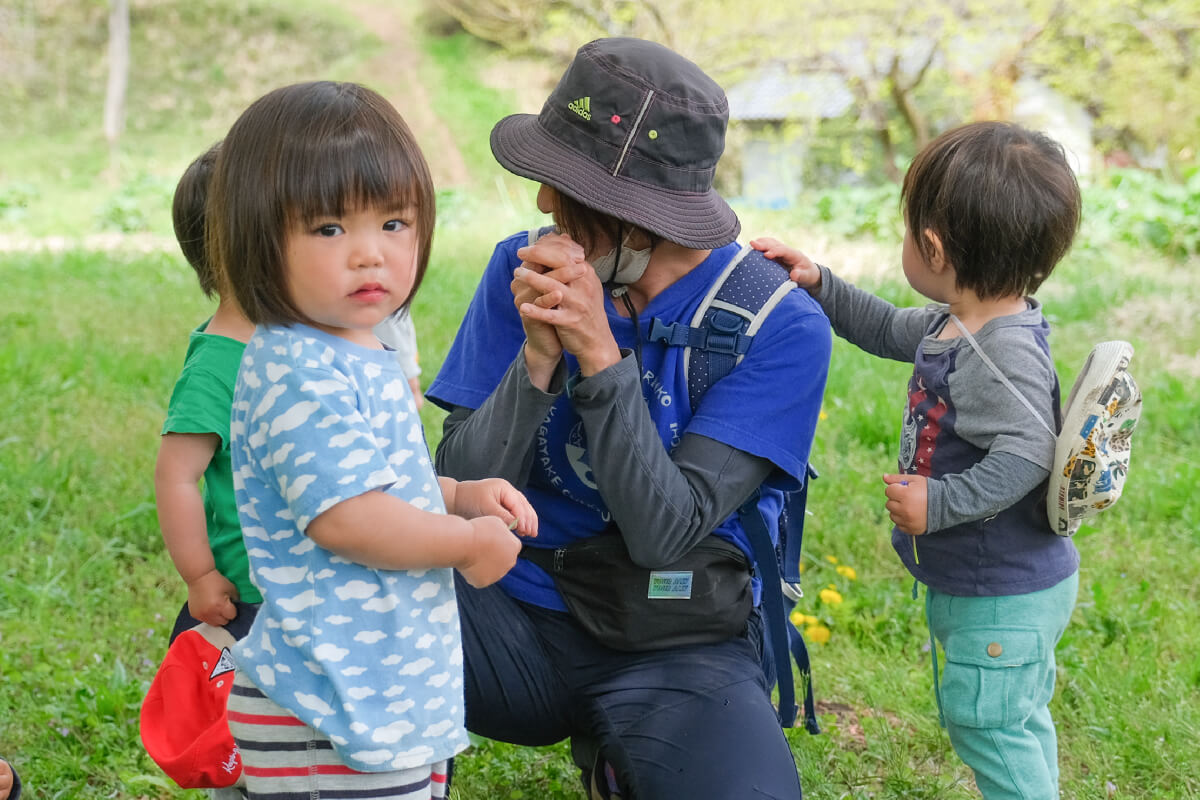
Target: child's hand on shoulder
column 906, row 502
column 210, row 598
column 493, row 552
column 498, row 498
column 803, row 272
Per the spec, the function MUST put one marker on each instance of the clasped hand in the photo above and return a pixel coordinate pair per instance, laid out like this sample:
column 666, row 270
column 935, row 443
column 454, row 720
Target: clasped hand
column 561, row 302
column 906, row 502
column 495, row 510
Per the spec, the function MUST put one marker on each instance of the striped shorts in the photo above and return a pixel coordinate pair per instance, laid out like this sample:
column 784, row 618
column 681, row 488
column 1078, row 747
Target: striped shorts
column 284, row 759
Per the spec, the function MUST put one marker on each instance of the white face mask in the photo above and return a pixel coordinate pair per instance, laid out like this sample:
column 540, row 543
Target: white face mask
column 632, row 265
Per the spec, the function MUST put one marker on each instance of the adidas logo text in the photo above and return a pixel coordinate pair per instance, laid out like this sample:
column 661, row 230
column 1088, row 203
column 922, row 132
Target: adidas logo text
column 582, row 107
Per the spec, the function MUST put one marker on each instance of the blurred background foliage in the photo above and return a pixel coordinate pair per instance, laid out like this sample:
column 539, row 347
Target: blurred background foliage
column 847, row 91
column 913, row 67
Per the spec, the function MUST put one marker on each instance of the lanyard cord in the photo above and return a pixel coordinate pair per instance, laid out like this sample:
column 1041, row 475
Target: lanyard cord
column 622, row 291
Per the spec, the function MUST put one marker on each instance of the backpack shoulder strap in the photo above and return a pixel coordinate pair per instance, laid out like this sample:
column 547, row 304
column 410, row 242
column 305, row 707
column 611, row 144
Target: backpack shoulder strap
column 781, row 638
column 1000, row 375
column 718, row 337
column 724, row 325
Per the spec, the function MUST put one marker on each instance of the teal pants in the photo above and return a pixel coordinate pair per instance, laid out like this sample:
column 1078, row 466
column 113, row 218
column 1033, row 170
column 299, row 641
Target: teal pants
column 996, row 686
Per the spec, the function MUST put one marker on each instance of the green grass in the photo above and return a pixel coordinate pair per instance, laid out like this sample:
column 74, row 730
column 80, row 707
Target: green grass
column 90, row 344
column 91, row 347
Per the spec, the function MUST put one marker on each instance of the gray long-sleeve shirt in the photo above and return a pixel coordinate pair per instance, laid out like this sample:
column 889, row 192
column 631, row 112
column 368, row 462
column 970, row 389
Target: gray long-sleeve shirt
column 681, row 496
column 985, row 456
column 627, row 446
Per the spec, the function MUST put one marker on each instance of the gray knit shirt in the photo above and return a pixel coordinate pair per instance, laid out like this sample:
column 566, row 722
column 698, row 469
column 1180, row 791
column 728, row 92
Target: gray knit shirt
column 986, row 458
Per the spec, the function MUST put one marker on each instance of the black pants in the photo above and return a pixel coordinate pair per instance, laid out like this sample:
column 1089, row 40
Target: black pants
column 694, row 722
column 238, row 627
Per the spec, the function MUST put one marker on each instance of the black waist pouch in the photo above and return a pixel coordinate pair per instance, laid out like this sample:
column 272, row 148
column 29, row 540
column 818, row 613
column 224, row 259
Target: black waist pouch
column 703, row 597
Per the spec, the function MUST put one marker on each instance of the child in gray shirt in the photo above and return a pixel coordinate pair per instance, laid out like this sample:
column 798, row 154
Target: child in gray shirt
column 990, row 209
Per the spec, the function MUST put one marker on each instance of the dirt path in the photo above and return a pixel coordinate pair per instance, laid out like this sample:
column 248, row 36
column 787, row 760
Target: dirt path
column 396, row 73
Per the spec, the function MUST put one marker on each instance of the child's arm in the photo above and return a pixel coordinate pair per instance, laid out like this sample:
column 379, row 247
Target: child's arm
column 866, row 321
column 1019, row 451
column 182, row 459
column 382, row 531
column 918, row 505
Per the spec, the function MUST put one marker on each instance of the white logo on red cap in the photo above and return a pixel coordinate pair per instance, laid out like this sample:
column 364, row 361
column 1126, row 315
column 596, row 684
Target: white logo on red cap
column 224, row 665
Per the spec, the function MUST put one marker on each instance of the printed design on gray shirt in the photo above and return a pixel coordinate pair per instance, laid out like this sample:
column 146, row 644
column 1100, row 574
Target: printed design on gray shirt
column 550, row 464
column 577, row 455
column 922, row 427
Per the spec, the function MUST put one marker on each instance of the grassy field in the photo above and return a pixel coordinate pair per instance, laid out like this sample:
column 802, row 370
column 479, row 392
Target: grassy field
column 91, row 342
column 91, row 345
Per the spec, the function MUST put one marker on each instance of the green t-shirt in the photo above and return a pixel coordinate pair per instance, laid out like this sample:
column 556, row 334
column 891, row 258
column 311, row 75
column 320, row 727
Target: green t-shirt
column 200, row 403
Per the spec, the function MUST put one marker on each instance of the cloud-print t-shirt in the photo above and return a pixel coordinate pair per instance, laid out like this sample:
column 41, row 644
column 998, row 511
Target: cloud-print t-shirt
column 370, row 658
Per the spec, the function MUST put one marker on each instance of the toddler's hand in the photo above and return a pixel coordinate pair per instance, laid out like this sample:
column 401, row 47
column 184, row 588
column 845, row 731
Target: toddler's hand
column 498, row 498
column 6, row 779
column 493, row 552
column 906, row 502
column 210, row 599
column 803, row 272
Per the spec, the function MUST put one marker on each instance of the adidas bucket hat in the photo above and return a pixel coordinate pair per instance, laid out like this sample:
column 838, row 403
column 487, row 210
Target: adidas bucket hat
column 633, row 130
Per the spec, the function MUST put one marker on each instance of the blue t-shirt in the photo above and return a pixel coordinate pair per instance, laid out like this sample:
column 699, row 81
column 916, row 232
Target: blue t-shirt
column 371, row 658
column 767, row 406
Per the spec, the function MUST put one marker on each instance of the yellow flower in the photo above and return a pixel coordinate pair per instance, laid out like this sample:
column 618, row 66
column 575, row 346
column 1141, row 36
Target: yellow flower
column 847, row 572
column 800, row 567
column 830, row 597
column 797, row 618
column 822, row 416
column 831, row 559
column 817, row 633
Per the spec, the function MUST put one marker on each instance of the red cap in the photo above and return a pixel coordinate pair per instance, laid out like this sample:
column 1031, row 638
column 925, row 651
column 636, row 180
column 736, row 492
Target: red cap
column 183, row 722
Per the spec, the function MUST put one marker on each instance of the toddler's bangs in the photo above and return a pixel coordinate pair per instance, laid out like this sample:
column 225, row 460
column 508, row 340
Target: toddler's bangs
column 366, row 161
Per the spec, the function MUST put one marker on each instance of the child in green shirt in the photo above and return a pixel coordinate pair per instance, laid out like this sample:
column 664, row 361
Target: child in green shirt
column 201, row 529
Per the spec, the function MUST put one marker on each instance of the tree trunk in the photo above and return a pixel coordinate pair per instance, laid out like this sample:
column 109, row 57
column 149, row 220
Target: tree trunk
column 911, row 115
column 118, row 77
column 889, row 154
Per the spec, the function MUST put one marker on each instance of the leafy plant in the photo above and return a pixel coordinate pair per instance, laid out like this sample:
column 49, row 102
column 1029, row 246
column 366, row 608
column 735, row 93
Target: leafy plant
column 135, row 205
column 15, row 199
column 1145, row 210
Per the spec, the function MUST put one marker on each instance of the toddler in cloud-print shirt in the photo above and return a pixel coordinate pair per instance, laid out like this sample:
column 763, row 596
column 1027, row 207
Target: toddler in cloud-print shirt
column 350, row 681
column 369, row 657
